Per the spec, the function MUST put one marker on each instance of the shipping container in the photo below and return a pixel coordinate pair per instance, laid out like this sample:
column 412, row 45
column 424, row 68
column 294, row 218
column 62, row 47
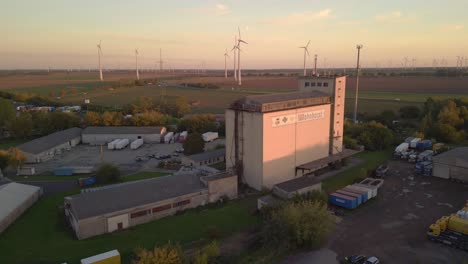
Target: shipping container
column 86, row 181
column 351, row 194
column 364, row 195
column 402, row 147
column 209, row 136
column 424, row 145
column 121, row 144
column 111, row 145
column 370, row 193
column 374, row 189
column 110, row 257
column 414, row 142
column 420, row 166
column 63, row 171
column 136, row 143
column 425, row 156
column 342, row 200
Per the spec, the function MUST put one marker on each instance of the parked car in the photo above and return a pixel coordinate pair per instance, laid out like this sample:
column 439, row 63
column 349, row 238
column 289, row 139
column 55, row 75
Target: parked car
column 381, row 171
column 372, row 260
column 355, row 259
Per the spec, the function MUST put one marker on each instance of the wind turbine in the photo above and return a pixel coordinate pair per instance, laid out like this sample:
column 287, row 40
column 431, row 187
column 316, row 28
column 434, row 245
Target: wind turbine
column 239, row 41
column 306, row 50
column 234, row 48
column 226, row 55
column 99, row 61
column 136, row 64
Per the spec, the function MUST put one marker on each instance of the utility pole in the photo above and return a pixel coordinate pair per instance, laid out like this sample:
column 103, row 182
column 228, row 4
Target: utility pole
column 358, row 68
column 315, row 65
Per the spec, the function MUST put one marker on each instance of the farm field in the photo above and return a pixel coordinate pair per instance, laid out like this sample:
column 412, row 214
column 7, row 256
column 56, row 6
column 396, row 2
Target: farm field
column 41, row 236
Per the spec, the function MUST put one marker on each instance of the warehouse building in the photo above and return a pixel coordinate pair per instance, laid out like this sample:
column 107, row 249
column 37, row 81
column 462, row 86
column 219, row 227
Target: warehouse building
column 278, row 137
column 15, row 199
column 129, row 204
column 44, row 148
column 205, row 158
column 104, row 135
column 452, row 164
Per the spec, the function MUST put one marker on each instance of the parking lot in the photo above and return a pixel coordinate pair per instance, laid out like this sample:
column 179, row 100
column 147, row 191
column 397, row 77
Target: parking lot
column 126, row 159
column 393, row 227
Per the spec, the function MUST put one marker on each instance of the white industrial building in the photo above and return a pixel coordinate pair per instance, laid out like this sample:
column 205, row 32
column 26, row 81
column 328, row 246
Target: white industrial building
column 452, row 164
column 15, row 199
column 44, row 148
column 104, row 135
column 277, row 137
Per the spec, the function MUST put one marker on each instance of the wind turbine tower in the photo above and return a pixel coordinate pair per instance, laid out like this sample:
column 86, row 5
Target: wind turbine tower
column 315, row 64
column 306, row 52
column 239, row 41
column 226, row 55
column 234, row 50
column 160, row 60
column 358, row 69
column 136, row 64
column 99, row 61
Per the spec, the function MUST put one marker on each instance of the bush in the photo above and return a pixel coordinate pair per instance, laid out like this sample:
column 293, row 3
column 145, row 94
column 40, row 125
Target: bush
column 317, row 196
column 166, row 254
column 207, row 254
column 298, row 225
column 107, row 173
column 349, row 143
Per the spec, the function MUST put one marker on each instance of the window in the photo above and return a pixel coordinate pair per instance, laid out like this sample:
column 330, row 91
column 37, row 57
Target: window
column 319, row 84
column 181, row 203
column 161, row 208
column 307, row 84
column 325, row 84
column 312, row 84
column 138, row 214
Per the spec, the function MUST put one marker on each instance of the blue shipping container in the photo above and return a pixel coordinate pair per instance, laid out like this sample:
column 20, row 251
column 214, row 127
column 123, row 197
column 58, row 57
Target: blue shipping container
column 351, row 194
column 362, row 193
column 424, row 145
column 63, row 171
column 342, row 200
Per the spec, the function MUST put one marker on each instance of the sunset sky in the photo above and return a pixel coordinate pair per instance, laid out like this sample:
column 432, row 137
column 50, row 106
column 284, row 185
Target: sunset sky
column 64, row 34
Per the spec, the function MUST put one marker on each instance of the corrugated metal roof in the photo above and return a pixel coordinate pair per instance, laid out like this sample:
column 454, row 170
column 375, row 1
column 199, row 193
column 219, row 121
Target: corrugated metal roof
column 50, row 141
column 13, row 195
column 208, row 155
column 450, row 157
column 123, row 130
column 134, row 194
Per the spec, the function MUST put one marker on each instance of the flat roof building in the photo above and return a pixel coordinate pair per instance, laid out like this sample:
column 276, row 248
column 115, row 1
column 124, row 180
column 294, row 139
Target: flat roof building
column 452, row 164
column 124, row 205
column 103, row 135
column 15, row 199
column 205, row 158
column 44, row 148
column 269, row 136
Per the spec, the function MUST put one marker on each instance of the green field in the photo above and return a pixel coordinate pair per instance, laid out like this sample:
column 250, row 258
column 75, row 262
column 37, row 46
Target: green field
column 40, row 236
column 371, row 161
column 55, row 88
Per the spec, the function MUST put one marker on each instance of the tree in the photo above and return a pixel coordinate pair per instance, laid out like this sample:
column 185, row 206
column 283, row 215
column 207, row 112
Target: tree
column 450, row 115
column 7, row 112
column 298, row 225
column 141, row 105
column 92, row 119
column 16, row 158
column 166, row 254
column 21, row 126
column 387, row 117
column 107, row 119
column 200, row 123
column 4, row 161
column 151, row 118
column 410, row 112
column 194, row 144
column 107, row 173
column 182, row 106
column 60, row 121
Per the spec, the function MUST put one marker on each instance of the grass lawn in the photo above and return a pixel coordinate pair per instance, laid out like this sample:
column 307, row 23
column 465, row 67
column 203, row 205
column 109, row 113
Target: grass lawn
column 142, row 176
column 126, row 178
column 40, row 235
column 371, row 161
column 8, row 143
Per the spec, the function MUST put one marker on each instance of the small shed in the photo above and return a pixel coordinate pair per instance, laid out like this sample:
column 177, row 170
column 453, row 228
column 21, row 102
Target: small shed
column 205, row 158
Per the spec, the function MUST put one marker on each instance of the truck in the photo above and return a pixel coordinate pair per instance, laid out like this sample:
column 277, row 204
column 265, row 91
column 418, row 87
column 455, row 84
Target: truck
column 168, row 137
column 342, row 200
column 451, row 230
column 209, row 136
column 111, row 145
column 403, row 147
column 136, row 143
column 121, row 144
column 424, row 145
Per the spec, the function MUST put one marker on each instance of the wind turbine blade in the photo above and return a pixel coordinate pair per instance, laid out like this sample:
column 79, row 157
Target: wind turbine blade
column 240, row 40
column 238, row 28
column 308, row 44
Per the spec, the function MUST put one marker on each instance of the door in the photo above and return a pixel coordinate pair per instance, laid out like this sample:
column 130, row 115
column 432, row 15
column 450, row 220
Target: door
column 120, row 226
